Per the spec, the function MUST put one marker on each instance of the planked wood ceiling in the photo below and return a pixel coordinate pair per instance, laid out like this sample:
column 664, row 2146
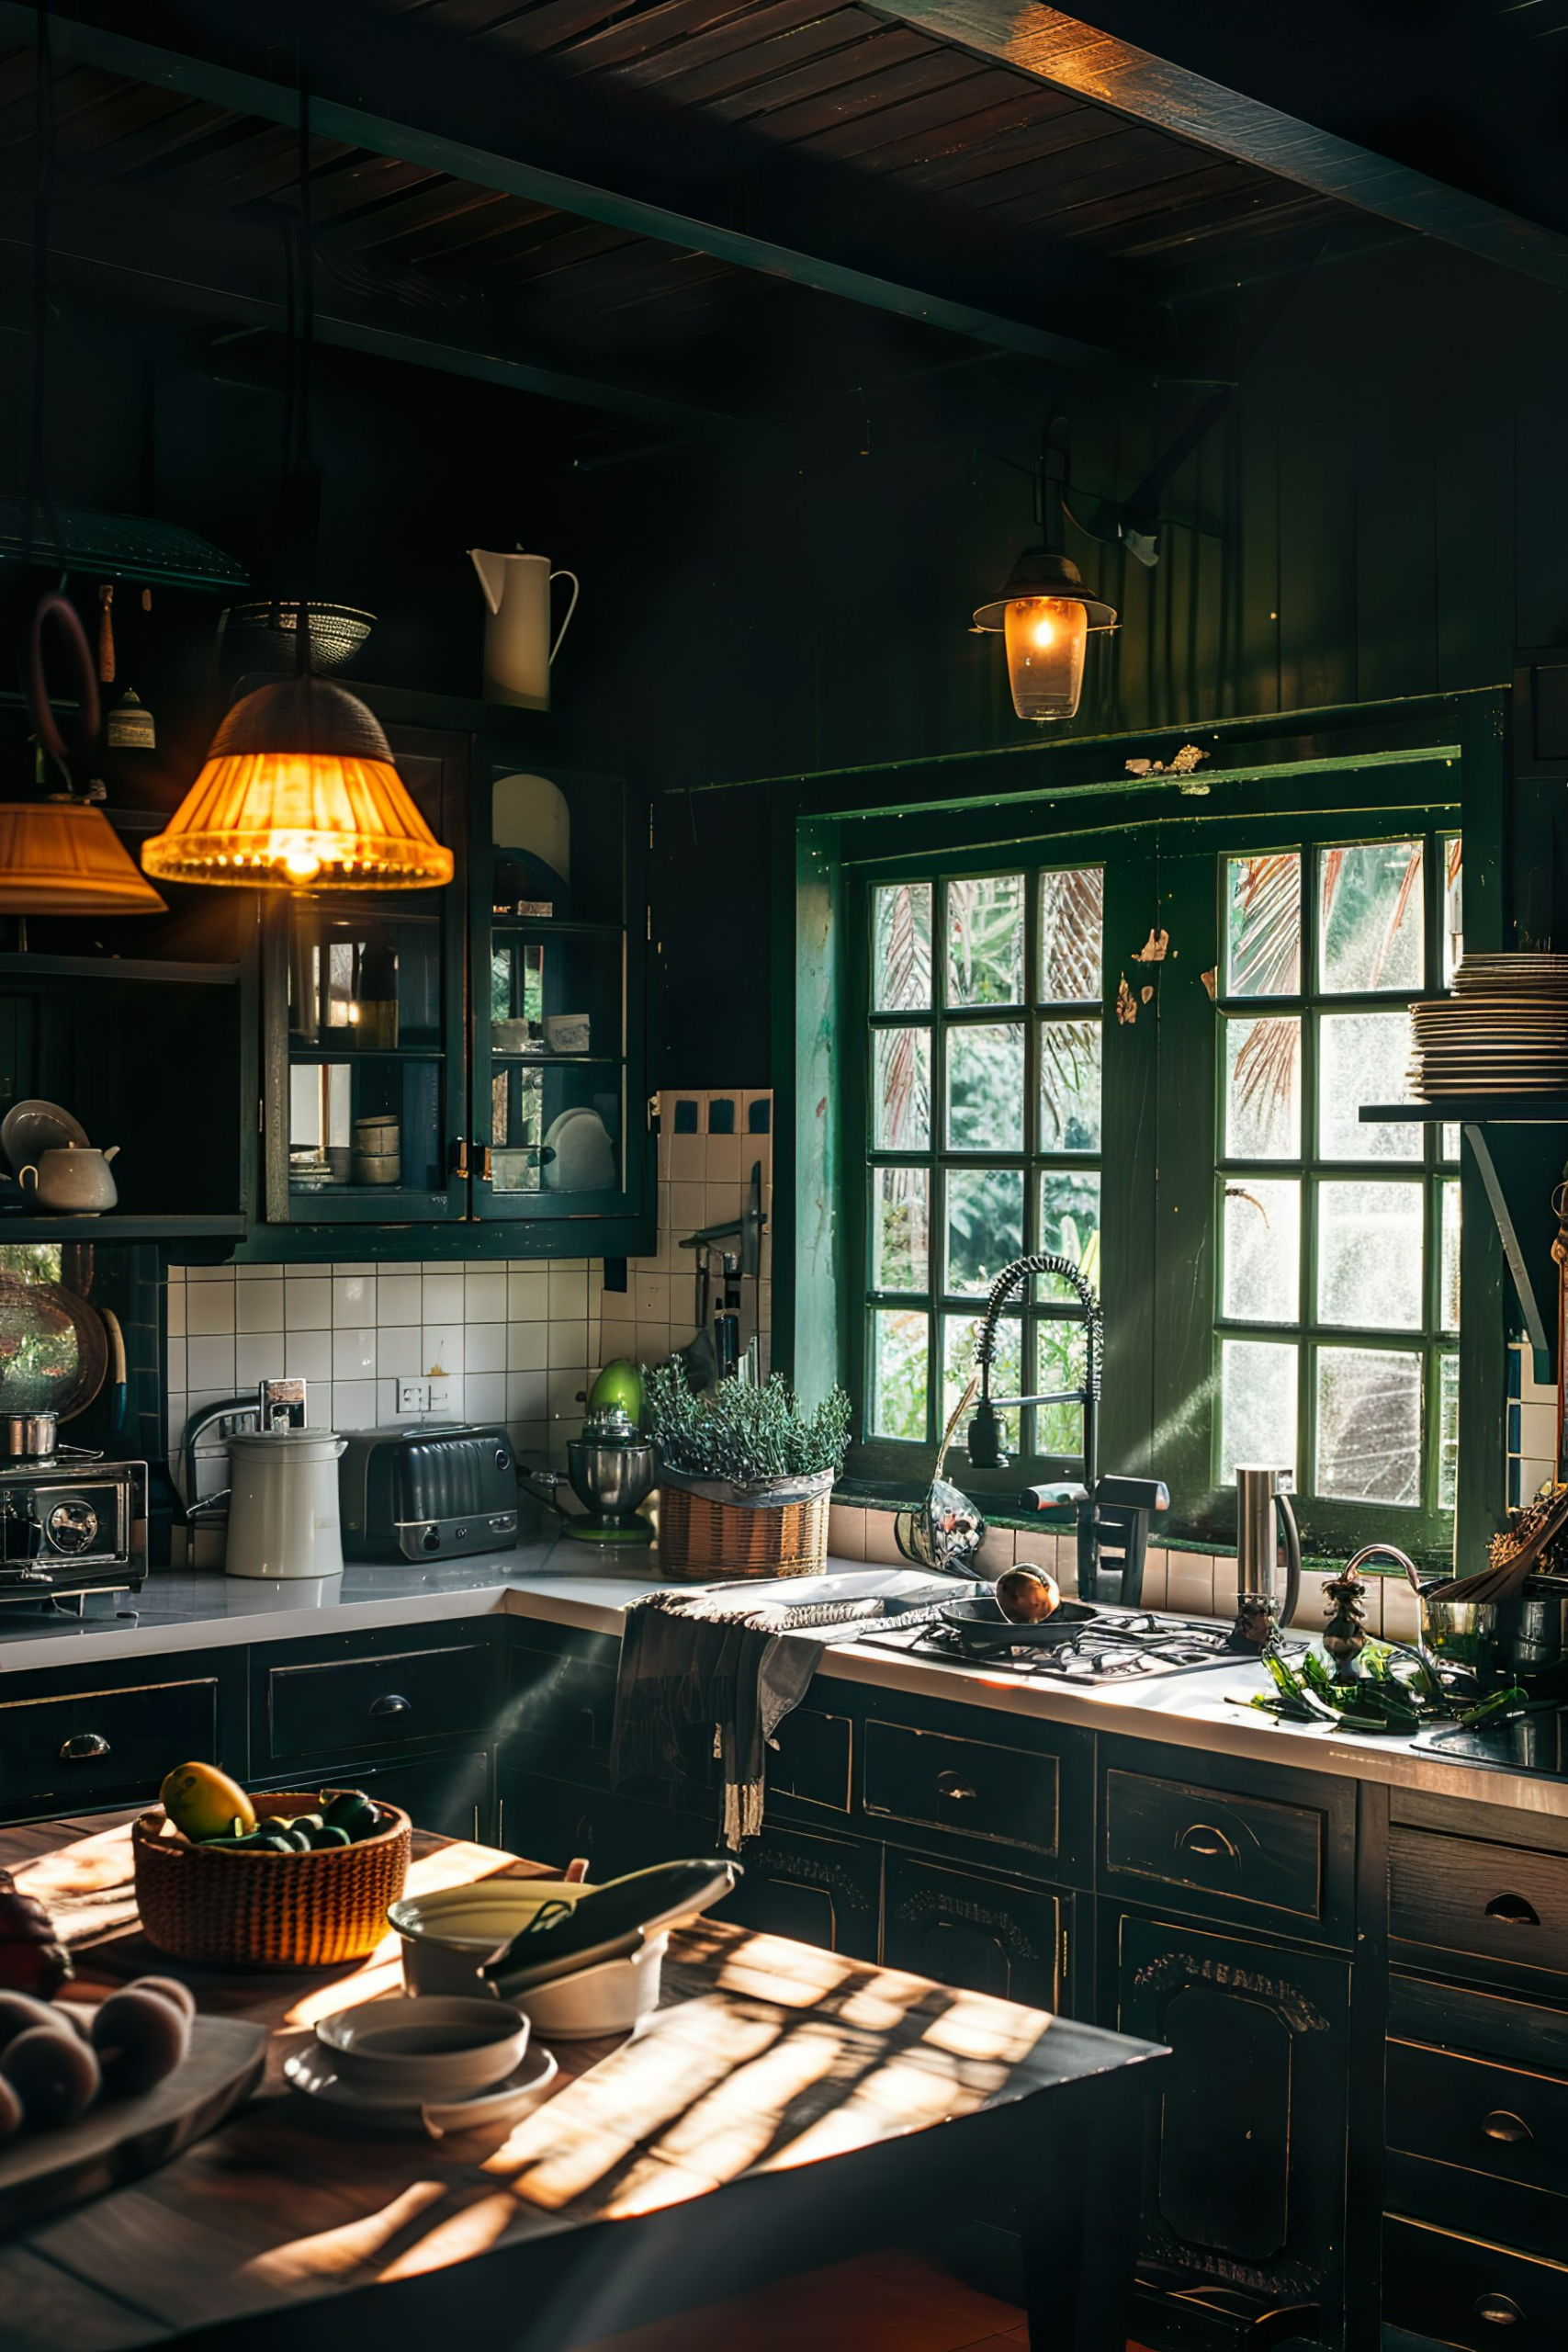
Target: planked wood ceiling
column 980, row 143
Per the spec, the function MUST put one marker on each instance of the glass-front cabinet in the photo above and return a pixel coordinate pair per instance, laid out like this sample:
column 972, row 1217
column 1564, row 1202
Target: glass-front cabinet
column 472, row 1055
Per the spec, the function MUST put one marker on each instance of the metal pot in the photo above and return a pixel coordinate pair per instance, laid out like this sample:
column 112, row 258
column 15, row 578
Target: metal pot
column 1525, row 1636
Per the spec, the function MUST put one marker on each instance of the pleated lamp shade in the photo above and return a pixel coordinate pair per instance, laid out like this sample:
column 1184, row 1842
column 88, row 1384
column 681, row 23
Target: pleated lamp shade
column 300, row 792
column 63, row 857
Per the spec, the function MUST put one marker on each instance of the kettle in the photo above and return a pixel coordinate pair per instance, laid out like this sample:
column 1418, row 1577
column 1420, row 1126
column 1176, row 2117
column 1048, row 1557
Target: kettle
column 518, row 649
column 284, row 1516
column 1264, row 1516
column 73, row 1179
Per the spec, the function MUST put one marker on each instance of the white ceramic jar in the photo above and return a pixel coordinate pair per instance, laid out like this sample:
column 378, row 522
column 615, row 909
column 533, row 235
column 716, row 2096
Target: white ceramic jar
column 283, row 1505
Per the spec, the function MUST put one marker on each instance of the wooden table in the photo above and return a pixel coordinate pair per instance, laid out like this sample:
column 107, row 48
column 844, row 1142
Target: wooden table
column 784, row 2108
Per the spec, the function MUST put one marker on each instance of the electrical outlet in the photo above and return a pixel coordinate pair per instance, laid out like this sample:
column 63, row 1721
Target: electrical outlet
column 440, row 1396
column 413, row 1395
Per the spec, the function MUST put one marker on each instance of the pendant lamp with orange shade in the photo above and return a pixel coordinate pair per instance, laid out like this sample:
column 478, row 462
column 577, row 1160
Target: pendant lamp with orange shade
column 60, row 856
column 298, row 792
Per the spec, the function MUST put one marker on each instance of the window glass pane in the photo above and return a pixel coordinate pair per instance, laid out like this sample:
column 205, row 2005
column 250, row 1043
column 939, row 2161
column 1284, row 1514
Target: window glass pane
column 1364, row 1058
column 1069, row 1085
column 1449, row 1146
column 1069, row 1226
column 1448, row 1286
column 1058, row 1365
column 1258, row 1403
column 985, row 1225
column 985, row 940
column 1263, row 924
column 901, row 958
column 959, row 1335
column 1262, row 1247
column 1453, row 908
column 1263, row 1089
column 897, row 1353
column 1368, row 1425
column 1370, row 913
column 1072, row 916
column 900, row 1229
column 1370, row 1255
column 1448, row 1432
column 901, row 1090
column 985, row 1087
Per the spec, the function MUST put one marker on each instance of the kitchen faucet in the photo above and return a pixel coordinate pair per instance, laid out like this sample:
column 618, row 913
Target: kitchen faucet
column 985, row 1432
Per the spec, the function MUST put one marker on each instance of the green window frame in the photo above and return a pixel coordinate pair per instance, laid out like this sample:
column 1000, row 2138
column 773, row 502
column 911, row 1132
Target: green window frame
column 1164, row 1171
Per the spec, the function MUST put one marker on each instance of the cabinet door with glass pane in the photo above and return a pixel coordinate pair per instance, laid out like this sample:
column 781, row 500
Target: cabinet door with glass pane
column 559, row 1122
column 365, row 1113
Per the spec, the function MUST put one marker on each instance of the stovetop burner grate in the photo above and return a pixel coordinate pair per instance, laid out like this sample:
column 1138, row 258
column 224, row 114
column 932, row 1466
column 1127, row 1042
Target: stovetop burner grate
column 1120, row 1645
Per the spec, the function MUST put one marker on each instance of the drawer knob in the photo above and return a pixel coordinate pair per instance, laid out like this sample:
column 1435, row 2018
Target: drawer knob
column 83, row 1745
column 1501, row 2125
column 957, row 1791
column 392, row 1704
column 1202, row 1838
column 1513, row 1911
column 1500, row 2310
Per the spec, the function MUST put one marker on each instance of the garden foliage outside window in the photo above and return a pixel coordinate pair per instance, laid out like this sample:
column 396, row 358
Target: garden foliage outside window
column 1328, row 1276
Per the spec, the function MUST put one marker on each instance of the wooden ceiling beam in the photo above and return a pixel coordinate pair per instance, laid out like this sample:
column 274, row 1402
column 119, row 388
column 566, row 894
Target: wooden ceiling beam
column 495, row 117
column 1161, row 65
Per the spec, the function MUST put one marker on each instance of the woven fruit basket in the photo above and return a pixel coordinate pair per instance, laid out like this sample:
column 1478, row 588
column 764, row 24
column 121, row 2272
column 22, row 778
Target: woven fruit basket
column 252, row 1909
column 708, row 1527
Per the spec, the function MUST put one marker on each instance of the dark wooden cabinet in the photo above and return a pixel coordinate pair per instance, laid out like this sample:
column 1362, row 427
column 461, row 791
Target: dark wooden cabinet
column 107, row 1735
column 1244, row 2170
column 1454, row 2289
column 332, row 1706
column 448, row 1794
column 968, row 1929
column 822, row 1890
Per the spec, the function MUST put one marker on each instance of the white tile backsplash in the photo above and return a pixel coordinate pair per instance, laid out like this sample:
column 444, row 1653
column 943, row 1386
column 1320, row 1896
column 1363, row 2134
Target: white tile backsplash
column 707, row 1147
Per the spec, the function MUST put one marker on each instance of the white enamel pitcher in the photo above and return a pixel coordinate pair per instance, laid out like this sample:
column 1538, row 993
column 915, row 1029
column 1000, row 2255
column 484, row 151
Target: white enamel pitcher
column 518, row 651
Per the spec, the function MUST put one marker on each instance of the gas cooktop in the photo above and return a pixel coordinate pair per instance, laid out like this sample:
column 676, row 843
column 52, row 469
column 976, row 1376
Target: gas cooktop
column 1116, row 1646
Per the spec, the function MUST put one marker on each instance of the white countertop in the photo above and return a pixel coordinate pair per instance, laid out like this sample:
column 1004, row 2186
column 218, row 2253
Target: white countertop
column 552, row 1580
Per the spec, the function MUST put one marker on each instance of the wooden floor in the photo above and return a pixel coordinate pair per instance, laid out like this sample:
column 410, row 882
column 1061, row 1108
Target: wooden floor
column 891, row 2301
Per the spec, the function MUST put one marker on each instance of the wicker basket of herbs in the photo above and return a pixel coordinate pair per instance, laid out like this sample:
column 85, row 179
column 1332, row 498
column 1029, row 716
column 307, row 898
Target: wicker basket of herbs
column 745, row 1474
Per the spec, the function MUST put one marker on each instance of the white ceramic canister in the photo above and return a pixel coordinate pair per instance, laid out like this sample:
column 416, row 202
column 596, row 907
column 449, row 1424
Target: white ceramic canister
column 283, row 1505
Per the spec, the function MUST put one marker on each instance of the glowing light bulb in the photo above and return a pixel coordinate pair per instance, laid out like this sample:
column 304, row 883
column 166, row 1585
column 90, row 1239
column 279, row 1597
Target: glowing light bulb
column 300, row 861
column 1045, row 630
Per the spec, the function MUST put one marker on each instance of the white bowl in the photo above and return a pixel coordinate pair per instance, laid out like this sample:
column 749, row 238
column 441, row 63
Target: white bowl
column 450, row 1935
column 406, row 2050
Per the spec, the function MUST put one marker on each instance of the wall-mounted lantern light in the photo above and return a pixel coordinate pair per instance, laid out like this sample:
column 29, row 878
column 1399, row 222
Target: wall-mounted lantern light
column 1044, row 612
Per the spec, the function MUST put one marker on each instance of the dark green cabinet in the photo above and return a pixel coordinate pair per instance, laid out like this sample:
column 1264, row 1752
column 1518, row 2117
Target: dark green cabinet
column 822, row 1890
column 1245, row 2164
column 981, row 1933
column 472, row 1057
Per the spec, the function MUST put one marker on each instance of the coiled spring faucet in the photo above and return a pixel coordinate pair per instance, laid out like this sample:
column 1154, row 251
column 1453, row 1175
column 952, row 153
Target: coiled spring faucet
column 987, row 1450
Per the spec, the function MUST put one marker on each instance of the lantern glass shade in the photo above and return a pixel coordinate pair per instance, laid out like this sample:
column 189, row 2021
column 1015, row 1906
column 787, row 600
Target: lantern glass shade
column 1046, row 640
column 63, row 857
column 300, row 792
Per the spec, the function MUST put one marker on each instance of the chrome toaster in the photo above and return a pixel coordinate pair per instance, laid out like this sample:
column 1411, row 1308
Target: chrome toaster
column 428, row 1490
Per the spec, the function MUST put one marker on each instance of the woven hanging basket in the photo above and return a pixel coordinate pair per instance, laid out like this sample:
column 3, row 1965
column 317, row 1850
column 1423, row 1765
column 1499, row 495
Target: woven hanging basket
column 252, row 1909
column 736, row 1533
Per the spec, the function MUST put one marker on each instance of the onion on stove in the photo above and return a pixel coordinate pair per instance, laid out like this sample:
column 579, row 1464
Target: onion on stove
column 1027, row 1596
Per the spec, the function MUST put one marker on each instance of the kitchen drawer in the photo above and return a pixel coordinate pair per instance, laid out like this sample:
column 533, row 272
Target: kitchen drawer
column 815, row 1763
column 1531, row 2034
column 1460, row 2290
column 1490, row 2119
column 1245, row 1851
column 1504, row 1904
column 975, row 1788
column 447, row 1794
column 560, row 1700
column 965, row 1929
column 349, row 1706
column 85, row 1747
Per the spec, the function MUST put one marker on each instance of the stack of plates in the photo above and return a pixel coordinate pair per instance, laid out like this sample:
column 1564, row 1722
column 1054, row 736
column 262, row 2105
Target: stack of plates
column 1503, row 1031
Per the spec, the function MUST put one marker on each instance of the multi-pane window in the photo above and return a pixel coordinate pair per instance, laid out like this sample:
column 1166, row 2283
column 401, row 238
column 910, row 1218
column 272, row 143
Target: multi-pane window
column 1337, row 1313
column 984, row 1135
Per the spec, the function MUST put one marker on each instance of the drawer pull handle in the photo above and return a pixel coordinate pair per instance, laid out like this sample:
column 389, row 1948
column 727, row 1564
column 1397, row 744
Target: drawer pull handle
column 83, row 1745
column 1501, row 2125
column 1203, row 1839
column 1501, row 2311
column 1513, row 1911
column 394, row 1703
column 957, row 1791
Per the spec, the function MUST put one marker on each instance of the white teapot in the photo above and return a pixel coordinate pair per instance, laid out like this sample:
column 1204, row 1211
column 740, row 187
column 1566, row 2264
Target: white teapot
column 73, row 1180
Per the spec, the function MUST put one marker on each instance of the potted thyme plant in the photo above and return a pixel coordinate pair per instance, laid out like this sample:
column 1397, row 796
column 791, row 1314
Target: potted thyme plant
column 746, row 1473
